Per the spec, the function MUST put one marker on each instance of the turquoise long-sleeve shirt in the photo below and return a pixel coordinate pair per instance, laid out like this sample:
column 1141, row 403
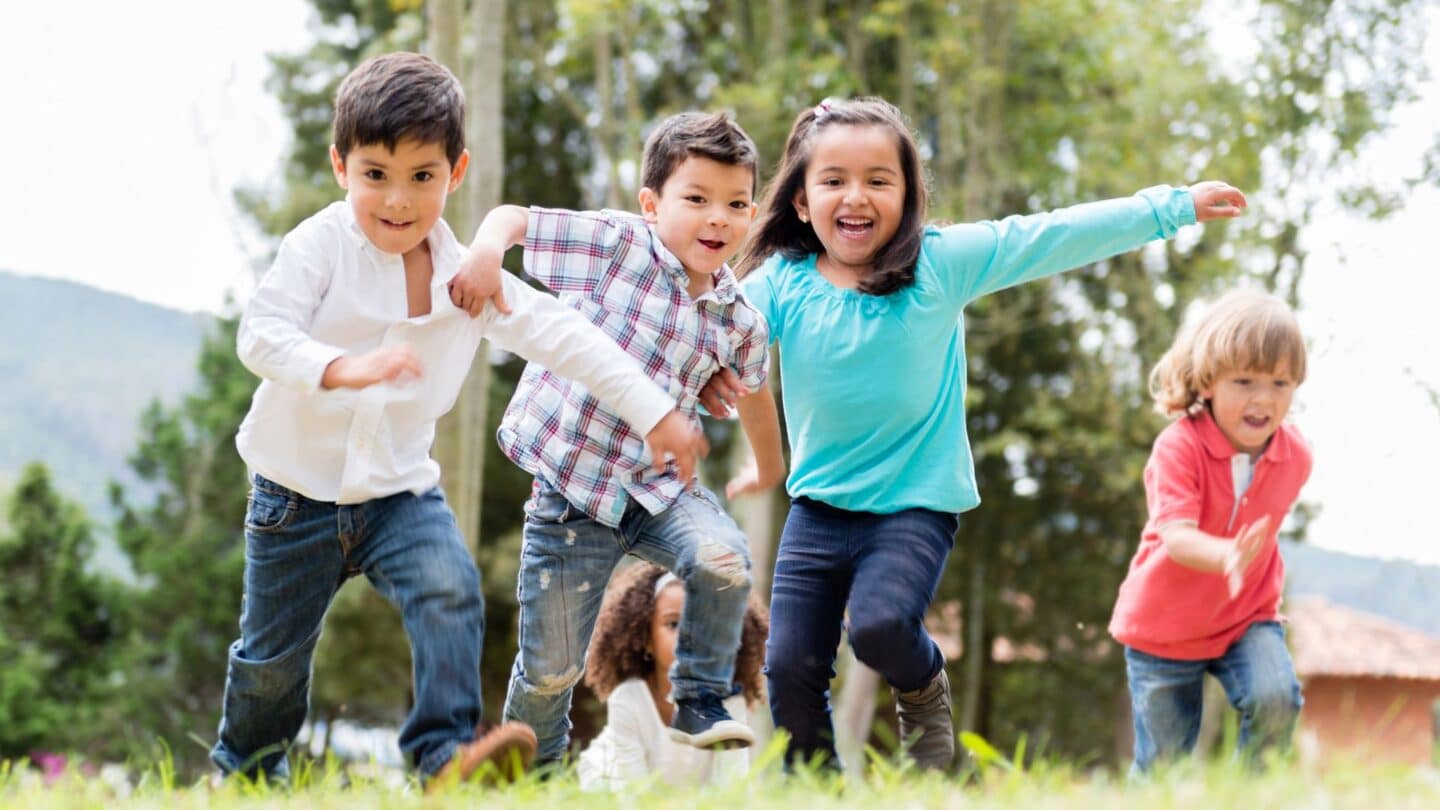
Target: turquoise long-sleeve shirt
column 874, row 387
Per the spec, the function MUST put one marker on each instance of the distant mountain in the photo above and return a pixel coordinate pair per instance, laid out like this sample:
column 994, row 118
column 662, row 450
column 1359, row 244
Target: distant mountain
column 1404, row 592
column 79, row 366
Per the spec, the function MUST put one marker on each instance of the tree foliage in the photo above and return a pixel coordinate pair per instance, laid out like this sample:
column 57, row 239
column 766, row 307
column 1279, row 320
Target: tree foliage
column 61, row 627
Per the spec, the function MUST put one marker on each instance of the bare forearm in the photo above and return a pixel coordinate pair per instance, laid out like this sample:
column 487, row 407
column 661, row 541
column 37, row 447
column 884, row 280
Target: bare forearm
column 761, row 422
column 1195, row 549
column 503, row 228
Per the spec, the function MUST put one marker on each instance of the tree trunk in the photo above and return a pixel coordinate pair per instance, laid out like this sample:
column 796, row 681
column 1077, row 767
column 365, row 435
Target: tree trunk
column 461, row 435
column 986, row 109
column 855, row 710
column 975, row 649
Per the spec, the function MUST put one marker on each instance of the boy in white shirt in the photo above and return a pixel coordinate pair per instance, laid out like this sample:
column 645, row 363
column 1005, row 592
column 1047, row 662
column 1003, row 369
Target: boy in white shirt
column 361, row 351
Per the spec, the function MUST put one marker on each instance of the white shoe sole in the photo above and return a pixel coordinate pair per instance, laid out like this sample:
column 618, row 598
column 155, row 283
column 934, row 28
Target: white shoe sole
column 725, row 734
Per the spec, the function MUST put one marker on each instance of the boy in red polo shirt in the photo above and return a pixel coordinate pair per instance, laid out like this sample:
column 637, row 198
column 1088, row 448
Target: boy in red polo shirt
column 1203, row 591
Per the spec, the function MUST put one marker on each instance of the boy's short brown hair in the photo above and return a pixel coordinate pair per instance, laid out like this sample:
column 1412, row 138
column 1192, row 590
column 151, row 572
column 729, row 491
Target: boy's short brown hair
column 715, row 136
column 400, row 96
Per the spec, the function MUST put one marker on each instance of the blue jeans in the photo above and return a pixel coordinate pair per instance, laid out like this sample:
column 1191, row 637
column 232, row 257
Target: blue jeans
column 884, row 570
column 298, row 552
column 565, row 565
column 1166, row 696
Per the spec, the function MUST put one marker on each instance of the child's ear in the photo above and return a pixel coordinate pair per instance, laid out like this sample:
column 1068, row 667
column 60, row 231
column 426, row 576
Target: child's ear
column 457, row 174
column 649, row 203
column 802, row 206
column 337, row 165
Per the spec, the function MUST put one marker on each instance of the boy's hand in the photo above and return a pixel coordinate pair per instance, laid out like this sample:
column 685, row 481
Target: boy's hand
column 479, row 281
column 1249, row 542
column 1216, row 200
column 675, row 437
column 388, row 363
column 750, row 480
column 722, row 392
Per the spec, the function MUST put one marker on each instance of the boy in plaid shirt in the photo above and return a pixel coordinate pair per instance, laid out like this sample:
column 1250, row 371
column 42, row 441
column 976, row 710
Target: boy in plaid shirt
column 659, row 286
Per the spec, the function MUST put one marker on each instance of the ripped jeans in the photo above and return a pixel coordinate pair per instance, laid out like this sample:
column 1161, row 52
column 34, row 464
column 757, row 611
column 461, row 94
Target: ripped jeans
column 565, row 565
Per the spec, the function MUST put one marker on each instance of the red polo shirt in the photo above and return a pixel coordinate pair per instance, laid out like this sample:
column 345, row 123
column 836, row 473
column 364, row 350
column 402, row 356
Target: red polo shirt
column 1171, row 611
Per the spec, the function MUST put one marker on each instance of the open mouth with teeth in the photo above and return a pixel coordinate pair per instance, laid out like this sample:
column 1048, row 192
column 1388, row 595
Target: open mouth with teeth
column 854, row 227
column 389, row 223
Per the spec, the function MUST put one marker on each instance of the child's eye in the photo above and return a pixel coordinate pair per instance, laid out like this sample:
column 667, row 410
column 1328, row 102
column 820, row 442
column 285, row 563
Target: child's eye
column 879, row 181
column 1242, row 381
column 375, row 175
column 424, row 177
column 740, row 205
column 831, row 181
column 673, row 624
column 695, row 198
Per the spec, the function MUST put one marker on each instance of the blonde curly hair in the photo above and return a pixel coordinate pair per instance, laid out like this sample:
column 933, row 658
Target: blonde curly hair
column 1245, row 330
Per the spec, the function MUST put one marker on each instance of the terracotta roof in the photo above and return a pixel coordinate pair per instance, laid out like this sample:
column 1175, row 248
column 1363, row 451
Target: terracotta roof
column 1331, row 640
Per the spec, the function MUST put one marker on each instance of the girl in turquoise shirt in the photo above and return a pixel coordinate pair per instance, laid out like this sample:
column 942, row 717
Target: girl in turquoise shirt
column 866, row 302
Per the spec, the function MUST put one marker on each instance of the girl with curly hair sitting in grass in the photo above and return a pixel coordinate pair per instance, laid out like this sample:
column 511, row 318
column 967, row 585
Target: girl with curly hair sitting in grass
column 628, row 667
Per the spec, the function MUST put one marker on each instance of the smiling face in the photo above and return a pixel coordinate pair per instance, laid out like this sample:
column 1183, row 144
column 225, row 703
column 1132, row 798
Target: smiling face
column 665, row 626
column 702, row 214
column 1249, row 406
column 399, row 195
column 854, row 193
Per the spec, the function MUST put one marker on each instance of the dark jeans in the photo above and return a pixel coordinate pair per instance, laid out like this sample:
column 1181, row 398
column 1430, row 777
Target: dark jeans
column 881, row 569
column 297, row 554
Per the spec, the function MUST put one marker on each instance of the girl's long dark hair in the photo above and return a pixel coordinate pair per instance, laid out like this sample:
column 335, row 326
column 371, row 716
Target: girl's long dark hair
column 780, row 229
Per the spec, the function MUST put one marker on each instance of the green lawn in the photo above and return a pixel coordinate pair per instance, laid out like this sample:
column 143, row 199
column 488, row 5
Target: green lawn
column 887, row 787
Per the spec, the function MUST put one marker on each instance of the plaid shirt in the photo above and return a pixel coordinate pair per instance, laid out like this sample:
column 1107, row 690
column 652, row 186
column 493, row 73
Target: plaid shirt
column 613, row 268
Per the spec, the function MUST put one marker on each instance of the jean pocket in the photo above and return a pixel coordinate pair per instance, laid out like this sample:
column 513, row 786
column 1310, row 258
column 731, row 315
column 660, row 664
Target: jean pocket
column 548, row 506
column 268, row 510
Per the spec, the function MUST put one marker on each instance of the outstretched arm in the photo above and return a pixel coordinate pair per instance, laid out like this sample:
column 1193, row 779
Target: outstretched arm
column 547, row 332
column 977, row 259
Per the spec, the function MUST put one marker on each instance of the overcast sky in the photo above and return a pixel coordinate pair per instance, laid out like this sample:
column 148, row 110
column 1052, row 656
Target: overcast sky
column 121, row 142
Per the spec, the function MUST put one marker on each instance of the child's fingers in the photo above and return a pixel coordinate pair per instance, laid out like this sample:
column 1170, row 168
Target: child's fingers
column 501, row 304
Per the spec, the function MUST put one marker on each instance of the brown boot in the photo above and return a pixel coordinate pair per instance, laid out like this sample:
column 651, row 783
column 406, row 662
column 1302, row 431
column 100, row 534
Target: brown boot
column 508, row 748
column 926, row 727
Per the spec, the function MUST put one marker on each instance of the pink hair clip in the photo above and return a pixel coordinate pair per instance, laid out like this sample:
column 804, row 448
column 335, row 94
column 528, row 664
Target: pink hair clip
column 822, row 108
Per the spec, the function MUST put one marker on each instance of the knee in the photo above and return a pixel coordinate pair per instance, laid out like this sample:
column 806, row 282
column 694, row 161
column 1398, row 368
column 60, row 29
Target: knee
column 874, row 637
column 543, row 682
column 721, row 566
column 451, row 587
column 1275, row 703
column 270, row 678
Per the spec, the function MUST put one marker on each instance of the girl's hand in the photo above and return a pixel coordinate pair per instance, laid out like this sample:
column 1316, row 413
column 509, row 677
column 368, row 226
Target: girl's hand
column 1216, row 200
column 750, row 480
column 1249, row 542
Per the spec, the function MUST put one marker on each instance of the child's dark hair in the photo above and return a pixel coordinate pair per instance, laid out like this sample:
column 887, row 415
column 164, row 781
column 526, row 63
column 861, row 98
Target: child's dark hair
column 400, row 96
column 619, row 647
column 695, row 134
column 780, row 229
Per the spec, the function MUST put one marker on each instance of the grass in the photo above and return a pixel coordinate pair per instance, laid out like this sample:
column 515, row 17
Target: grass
column 887, row 785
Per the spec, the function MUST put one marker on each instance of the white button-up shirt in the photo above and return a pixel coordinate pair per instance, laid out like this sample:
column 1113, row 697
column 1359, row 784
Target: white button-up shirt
column 330, row 293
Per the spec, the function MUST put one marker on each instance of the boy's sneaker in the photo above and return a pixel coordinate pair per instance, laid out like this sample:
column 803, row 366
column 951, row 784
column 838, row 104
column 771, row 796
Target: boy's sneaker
column 508, row 750
column 702, row 721
column 926, row 726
